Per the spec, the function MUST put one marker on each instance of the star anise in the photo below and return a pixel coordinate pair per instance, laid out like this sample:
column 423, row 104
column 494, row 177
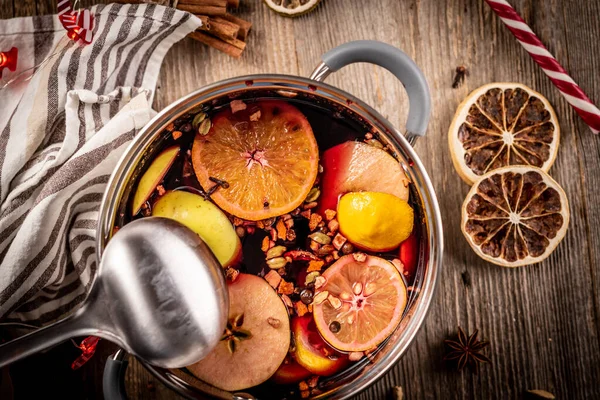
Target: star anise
column 234, row 333
column 466, row 351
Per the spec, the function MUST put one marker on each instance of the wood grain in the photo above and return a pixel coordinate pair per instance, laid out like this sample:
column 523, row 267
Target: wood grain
column 543, row 321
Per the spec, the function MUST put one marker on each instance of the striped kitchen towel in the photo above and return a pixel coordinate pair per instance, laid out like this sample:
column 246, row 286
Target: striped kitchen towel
column 61, row 134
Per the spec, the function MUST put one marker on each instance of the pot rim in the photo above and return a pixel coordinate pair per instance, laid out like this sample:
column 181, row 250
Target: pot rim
column 417, row 173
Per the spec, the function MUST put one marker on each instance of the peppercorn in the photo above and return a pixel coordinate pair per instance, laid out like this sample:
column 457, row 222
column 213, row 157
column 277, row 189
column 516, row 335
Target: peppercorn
column 335, row 327
column 186, row 128
column 347, row 248
column 306, row 296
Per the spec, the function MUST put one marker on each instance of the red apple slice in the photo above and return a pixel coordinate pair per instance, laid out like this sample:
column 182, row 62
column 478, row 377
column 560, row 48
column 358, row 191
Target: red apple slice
column 290, row 372
column 408, row 254
column 256, row 341
column 204, row 218
column 152, row 177
column 312, row 352
column 355, row 167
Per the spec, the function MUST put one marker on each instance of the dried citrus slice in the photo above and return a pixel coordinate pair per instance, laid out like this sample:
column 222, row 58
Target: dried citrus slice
column 267, row 154
column 292, row 8
column 361, row 302
column 515, row 216
column 502, row 124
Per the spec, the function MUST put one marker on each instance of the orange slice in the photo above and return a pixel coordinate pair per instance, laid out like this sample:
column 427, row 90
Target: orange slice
column 360, row 304
column 502, row 124
column 268, row 155
column 515, row 216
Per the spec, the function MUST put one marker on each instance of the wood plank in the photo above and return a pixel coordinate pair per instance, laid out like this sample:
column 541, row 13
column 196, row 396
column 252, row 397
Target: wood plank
column 24, row 8
column 7, row 9
column 543, row 321
column 45, row 7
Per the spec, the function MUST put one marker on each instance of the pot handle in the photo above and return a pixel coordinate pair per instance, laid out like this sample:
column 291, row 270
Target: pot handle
column 395, row 61
column 113, row 378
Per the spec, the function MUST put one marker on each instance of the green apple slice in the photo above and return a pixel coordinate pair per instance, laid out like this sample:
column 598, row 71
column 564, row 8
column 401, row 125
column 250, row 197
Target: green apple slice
column 152, row 177
column 204, row 218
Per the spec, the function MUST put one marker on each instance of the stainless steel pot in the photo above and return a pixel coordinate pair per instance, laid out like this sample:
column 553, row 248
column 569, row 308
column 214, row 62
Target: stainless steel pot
column 151, row 139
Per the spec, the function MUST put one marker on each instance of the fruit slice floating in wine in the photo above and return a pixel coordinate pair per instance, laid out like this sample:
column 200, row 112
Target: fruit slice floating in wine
column 152, row 177
column 356, row 166
column 267, row 154
column 255, row 342
column 204, row 218
column 515, row 216
column 375, row 221
column 290, row 372
column 409, row 254
column 312, row 352
column 502, row 124
column 361, row 302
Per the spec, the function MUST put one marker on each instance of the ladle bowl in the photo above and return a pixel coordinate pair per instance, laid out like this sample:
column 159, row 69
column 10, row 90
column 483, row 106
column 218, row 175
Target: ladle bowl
column 159, row 294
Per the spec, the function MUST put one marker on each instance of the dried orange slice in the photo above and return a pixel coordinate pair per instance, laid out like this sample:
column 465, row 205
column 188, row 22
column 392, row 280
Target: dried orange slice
column 502, row 124
column 361, row 302
column 515, row 216
column 267, row 154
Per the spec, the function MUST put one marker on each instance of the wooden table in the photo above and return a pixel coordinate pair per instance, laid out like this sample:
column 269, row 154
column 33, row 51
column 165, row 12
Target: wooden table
column 543, row 321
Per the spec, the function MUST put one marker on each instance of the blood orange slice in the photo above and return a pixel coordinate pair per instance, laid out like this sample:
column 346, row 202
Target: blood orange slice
column 268, row 155
column 360, row 304
column 502, row 124
column 515, row 216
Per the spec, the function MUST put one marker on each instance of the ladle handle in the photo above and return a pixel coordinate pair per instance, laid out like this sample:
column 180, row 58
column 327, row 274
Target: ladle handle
column 42, row 339
column 395, row 61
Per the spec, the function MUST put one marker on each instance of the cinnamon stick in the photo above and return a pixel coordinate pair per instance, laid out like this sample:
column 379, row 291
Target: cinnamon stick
column 221, row 28
column 235, row 42
column 233, row 3
column 205, row 22
column 217, row 43
column 202, row 10
column 214, row 3
column 244, row 25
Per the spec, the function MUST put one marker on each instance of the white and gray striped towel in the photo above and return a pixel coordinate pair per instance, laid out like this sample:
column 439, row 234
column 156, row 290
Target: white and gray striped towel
column 61, row 134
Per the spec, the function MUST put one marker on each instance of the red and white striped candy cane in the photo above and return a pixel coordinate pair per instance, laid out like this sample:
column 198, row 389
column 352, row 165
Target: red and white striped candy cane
column 557, row 74
column 78, row 25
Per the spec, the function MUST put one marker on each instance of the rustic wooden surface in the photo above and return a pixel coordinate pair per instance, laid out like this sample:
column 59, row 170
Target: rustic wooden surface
column 543, row 321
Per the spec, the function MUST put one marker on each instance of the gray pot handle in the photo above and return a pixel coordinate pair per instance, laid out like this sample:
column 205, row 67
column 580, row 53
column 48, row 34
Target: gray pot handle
column 113, row 379
column 395, row 61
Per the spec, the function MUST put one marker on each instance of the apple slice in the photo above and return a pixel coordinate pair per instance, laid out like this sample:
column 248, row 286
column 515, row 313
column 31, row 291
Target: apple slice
column 408, row 254
column 312, row 352
column 152, row 177
column 355, row 167
column 204, row 218
column 290, row 372
column 256, row 341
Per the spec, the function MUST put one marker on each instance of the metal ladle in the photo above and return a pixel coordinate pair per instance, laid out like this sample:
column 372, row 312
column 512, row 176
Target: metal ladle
column 159, row 294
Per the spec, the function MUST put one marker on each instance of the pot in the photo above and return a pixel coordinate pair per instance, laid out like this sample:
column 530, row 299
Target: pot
column 340, row 105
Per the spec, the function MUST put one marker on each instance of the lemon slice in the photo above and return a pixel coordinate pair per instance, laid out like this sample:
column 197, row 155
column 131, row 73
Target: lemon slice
column 361, row 303
column 375, row 221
